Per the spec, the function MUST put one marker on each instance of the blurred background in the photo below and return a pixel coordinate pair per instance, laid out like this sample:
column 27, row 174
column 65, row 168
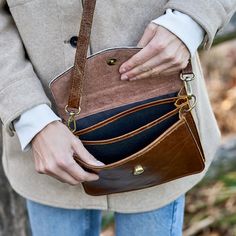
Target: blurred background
column 211, row 205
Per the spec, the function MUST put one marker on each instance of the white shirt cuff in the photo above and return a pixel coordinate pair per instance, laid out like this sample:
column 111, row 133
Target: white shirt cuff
column 32, row 122
column 184, row 27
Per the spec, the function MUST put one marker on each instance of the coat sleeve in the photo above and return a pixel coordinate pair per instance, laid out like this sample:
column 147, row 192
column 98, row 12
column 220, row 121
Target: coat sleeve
column 20, row 88
column 212, row 15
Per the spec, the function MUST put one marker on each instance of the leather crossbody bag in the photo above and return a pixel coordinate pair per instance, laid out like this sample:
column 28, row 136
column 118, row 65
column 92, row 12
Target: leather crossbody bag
column 143, row 130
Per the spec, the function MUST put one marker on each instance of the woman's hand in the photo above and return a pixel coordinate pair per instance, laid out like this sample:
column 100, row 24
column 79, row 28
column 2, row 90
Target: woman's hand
column 162, row 53
column 53, row 150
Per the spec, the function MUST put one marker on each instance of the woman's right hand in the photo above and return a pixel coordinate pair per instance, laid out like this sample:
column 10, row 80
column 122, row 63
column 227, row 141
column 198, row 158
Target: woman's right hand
column 53, row 149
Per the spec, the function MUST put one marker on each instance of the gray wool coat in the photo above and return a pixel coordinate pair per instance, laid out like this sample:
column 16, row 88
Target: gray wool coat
column 34, row 49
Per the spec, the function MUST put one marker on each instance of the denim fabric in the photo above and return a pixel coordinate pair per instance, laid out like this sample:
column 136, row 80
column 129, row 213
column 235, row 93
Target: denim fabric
column 50, row 221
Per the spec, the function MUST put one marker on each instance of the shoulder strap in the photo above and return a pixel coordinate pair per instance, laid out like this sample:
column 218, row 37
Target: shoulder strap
column 77, row 75
column 78, row 72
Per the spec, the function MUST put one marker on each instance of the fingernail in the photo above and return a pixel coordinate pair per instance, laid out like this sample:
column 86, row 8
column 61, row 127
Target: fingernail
column 124, row 77
column 99, row 163
column 123, row 70
column 95, row 178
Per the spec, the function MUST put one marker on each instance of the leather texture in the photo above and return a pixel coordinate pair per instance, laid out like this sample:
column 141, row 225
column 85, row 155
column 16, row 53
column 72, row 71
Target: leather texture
column 102, row 87
column 81, row 54
column 172, row 154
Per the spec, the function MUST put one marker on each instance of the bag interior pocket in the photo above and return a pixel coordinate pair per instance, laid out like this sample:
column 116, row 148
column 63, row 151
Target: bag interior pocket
column 87, row 129
column 109, row 151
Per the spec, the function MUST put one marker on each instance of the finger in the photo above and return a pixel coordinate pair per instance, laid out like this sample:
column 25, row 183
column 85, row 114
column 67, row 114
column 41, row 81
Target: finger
column 66, row 170
column 152, row 49
column 84, row 155
column 175, row 56
column 53, row 171
column 52, row 167
column 77, row 172
column 165, row 55
column 64, row 177
column 152, row 73
column 147, row 66
column 149, row 33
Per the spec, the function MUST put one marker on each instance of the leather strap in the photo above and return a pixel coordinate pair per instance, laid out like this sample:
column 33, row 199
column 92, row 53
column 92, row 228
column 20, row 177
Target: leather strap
column 188, row 69
column 78, row 72
column 77, row 76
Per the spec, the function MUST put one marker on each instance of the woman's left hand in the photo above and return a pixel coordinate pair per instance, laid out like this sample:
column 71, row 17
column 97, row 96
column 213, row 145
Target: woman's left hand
column 162, row 53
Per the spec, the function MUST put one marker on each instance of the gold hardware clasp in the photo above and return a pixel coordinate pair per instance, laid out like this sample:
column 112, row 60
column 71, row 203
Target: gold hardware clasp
column 191, row 98
column 187, row 78
column 111, row 61
column 183, row 101
column 138, row 170
column 192, row 103
column 71, row 119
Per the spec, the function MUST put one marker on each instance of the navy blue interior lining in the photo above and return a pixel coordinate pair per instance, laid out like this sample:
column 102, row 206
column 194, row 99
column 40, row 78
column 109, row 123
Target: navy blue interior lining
column 110, row 153
column 98, row 117
column 125, row 124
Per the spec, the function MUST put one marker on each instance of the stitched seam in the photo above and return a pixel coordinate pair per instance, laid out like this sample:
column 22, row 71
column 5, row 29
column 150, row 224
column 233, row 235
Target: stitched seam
column 107, row 107
column 111, row 165
column 143, row 151
column 87, row 222
column 206, row 26
column 11, row 85
column 132, row 133
column 22, row 109
column 173, row 218
column 5, row 152
column 123, row 114
column 194, row 140
column 208, row 29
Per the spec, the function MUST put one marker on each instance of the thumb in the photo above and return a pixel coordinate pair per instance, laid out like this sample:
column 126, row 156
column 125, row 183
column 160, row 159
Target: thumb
column 148, row 35
column 83, row 153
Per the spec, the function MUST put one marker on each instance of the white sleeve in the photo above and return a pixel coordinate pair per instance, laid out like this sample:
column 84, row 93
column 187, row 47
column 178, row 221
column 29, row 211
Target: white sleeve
column 184, row 27
column 32, row 122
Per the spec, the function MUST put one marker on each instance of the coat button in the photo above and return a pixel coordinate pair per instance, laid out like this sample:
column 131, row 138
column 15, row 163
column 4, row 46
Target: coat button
column 73, row 41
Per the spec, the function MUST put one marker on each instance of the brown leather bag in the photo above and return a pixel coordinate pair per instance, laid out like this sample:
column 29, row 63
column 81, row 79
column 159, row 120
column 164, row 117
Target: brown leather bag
column 142, row 130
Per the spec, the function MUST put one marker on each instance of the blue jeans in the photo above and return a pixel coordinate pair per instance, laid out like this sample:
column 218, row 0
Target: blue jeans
column 50, row 221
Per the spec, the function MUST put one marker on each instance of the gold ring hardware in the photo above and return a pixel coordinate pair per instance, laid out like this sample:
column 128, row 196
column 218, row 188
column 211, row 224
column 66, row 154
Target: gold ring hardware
column 138, row 170
column 193, row 103
column 184, row 101
column 181, row 101
column 111, row 61
column 71, row 120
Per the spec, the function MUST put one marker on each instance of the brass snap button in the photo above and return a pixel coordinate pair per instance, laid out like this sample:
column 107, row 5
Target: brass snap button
column 111, row 61
column 138, row 170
